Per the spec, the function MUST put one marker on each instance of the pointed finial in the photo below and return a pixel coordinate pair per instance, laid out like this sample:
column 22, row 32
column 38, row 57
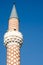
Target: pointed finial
column 14, row 3
column 14, row 12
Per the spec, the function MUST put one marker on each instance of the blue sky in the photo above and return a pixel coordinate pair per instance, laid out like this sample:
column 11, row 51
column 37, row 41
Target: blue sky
column 30, row 13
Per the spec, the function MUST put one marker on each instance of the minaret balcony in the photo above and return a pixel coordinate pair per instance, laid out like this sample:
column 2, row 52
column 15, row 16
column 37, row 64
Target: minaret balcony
column 13, row 37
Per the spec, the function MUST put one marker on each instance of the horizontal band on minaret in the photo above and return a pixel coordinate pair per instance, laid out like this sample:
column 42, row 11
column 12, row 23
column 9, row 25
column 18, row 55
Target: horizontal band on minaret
column 13, row 37
column 13, row 33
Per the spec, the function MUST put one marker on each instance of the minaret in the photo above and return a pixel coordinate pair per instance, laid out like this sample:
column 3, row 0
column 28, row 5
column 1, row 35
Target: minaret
column 13, row 39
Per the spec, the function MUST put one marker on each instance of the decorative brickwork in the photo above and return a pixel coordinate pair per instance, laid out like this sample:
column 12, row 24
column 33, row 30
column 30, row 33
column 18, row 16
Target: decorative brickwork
column 13, row 55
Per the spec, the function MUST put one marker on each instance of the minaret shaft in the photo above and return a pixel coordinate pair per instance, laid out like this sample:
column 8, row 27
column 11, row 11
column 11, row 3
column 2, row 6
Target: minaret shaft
column 13, row 55
column 13, row 24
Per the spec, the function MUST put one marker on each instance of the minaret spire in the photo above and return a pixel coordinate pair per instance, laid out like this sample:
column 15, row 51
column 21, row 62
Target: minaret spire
column 14, row 12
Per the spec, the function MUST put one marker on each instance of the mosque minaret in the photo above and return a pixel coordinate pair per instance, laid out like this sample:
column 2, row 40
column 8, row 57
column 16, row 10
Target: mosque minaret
column 13, row 39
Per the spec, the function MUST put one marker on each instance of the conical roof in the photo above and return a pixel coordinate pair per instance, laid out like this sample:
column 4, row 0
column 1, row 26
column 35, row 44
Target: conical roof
column 14, row 12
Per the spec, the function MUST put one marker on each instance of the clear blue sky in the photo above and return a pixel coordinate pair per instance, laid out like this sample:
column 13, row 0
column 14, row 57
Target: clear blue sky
column 30, row 13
